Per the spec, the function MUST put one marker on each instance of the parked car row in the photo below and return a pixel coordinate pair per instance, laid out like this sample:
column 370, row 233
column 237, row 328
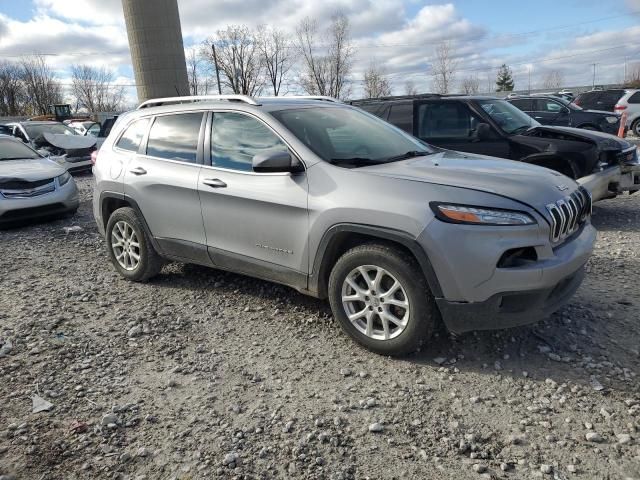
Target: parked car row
column 615, row 100
column 604, row 164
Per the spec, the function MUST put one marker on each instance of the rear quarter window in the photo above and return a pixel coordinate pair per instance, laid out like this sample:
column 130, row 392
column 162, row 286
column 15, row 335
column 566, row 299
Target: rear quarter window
column 635, row 98
column 132, row 136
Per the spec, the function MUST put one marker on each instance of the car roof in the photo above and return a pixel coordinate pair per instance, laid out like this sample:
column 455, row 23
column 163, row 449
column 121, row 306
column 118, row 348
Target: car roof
column 429, row 96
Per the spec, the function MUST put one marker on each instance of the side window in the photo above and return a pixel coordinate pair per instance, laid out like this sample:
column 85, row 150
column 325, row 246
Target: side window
column 401, row 115
column 446, row 120
column 237, row 138
column 524, row 104
column 635, row 98
column 132, row 136
column 544, row 105
column 175, row 137
column 380, row 110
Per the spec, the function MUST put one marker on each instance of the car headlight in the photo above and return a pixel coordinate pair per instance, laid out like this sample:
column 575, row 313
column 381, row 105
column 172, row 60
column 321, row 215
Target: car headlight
column 612, row 119
column 64, row 178
column 471, row 215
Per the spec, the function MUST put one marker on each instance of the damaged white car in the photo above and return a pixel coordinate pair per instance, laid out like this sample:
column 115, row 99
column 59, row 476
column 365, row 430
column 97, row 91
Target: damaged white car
column 58, row 142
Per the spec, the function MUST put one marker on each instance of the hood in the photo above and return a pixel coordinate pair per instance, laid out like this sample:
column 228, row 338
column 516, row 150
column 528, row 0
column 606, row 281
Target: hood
column 69, row 142
column 29, row 170
column 528, row 184
column 604, row 141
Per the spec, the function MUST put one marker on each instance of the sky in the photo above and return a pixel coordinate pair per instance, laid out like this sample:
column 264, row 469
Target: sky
column 399, row 36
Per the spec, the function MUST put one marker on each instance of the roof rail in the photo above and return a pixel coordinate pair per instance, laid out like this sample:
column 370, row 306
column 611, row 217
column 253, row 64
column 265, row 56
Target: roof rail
column 154, row 102
column 307, row 97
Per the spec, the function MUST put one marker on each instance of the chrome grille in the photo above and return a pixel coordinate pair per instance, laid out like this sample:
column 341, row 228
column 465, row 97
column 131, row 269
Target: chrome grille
column 568, row 213
column 28, row 192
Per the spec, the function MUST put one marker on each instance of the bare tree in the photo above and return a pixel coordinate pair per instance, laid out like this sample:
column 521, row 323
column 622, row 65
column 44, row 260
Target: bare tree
column 375, row 82
column 12, row 91
column 238, row 58
column 471, row 85
column 553, row 80
column 94, row 89
column 41, row 87
column 444, row 68
column 199, row 80
column 410, row 88
column 327, row 61
column 276, row 56
column 633, row 78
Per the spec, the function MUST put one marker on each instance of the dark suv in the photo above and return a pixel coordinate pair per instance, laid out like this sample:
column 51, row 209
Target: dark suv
column 551, row 110
column 604, row 164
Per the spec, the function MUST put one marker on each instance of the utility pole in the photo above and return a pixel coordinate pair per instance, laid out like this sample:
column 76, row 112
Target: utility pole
column 215, row 61
column 529, row 80
column 593, row 86
column 625, row 70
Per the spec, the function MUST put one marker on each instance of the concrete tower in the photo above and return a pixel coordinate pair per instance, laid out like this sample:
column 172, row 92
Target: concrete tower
column 157, row 52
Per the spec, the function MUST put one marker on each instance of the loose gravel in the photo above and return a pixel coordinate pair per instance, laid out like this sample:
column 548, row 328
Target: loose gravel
column 205, row 374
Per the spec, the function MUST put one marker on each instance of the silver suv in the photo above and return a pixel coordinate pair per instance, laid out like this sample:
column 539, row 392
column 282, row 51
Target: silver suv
column 339, row 204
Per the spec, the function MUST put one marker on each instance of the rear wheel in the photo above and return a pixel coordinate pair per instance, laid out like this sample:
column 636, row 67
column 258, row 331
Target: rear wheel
column 635, row 128
column 381, row 299
column 130, row 248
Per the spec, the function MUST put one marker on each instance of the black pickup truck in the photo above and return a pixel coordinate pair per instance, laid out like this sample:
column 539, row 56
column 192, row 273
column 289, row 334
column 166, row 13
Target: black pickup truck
column 606, row 165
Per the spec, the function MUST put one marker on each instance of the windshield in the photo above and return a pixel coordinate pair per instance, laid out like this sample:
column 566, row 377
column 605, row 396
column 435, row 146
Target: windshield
column 348, row 136
column 509, row 118
column 36, row 130
column 15, row 150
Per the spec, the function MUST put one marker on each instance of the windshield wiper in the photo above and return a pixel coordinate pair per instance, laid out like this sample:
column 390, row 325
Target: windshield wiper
column 521, row 129
column 355, row 161
column 406, row 155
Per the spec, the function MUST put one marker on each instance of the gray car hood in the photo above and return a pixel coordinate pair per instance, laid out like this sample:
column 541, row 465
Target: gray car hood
column 528, row 184
column 29, row 170
column 69, row 142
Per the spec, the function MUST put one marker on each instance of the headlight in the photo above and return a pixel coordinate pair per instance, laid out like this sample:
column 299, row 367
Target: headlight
column 453, row 213
column 612, row 119
column 64, row 178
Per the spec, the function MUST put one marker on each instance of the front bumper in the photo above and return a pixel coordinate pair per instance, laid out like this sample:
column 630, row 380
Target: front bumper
column 477, row 294
column 64, row 199
column 75, row 164
column 614, row 180
column 509, row 309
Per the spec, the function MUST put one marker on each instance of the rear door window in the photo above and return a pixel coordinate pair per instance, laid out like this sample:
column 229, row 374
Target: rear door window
column 546, row 105
column 132, row 136
column 401, row 115
column 634, row 99
column 175, row 137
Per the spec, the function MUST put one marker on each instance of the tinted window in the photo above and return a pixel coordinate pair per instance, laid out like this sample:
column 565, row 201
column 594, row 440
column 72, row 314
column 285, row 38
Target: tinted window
column 635, row 98
column 378, row 109
column 545, row 105
column 236, row 138
column 446, row 120
column 525, row 104
column 130, row 139
column 401, row 115
column 587, row 100
column 608, row 99
column 175, row 137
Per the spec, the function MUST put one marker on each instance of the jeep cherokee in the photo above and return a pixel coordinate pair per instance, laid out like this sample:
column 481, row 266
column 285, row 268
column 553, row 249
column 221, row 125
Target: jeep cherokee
column 338, row 204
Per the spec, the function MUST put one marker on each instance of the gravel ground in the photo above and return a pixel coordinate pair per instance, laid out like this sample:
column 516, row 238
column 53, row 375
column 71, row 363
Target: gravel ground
column 204, row 374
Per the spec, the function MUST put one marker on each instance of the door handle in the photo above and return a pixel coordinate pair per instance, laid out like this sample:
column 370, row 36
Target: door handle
column 214, row 183
column 138, row 171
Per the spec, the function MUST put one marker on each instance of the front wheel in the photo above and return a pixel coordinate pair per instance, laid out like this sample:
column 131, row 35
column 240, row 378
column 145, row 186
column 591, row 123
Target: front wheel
column 130, row 248
column 382, row 300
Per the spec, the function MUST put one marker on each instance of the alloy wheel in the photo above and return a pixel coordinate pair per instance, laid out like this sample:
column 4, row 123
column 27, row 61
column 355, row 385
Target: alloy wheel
column 375, row 302
column 125, row 245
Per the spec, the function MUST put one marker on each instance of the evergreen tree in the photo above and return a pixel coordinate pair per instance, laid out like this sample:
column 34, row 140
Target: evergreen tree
column 504, row 81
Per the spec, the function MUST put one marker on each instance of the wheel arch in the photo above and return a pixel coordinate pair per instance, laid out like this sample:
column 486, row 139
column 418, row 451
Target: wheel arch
column 111, row 201
column 342, row 237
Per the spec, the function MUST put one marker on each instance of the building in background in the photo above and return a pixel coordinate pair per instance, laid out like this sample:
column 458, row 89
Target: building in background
column 157, row 51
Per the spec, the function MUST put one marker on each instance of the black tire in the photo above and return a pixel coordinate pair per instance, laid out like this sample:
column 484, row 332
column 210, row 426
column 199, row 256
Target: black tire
column 423, row 312
column 150, row 262
column 635, row 128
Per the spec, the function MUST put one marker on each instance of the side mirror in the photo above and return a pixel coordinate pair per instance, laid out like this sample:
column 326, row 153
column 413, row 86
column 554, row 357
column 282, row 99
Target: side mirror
column 274, row 162
column 483, row 132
